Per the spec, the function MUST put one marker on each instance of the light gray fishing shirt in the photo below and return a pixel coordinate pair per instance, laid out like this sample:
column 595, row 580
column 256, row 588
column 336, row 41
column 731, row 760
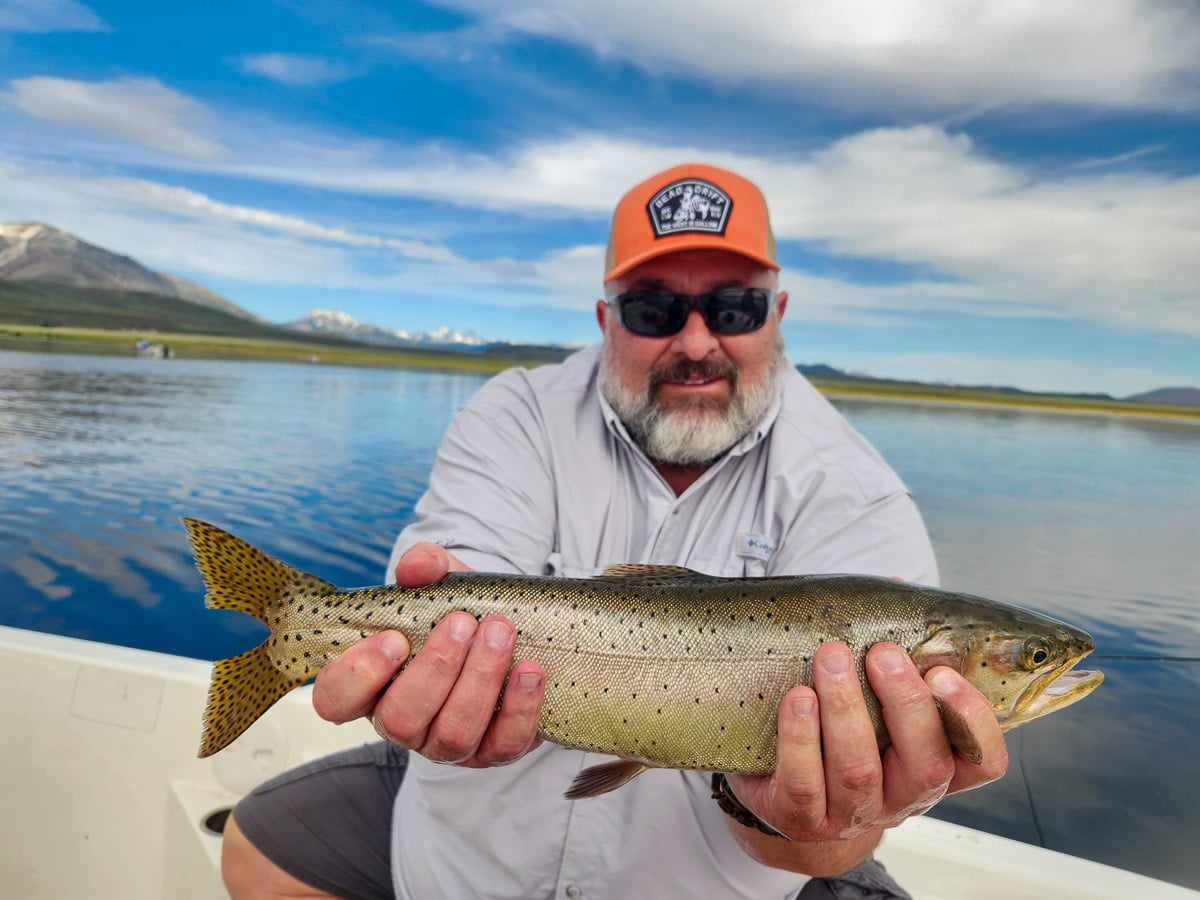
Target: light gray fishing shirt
column 537, row 475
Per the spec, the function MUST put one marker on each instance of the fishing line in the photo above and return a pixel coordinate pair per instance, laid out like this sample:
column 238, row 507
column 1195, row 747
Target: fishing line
column 1033, row 813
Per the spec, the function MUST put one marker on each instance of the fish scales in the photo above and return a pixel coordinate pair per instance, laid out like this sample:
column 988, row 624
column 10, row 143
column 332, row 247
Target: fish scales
column 658, row 665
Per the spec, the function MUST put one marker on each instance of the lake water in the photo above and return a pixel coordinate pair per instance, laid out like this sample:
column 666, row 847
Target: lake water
column 1095, row 519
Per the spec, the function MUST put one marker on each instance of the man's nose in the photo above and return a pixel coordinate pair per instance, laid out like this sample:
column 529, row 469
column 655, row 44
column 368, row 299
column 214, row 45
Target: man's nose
column 694, row 340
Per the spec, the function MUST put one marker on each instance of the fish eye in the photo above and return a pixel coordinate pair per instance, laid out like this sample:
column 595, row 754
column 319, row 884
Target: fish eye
column 1034, row 653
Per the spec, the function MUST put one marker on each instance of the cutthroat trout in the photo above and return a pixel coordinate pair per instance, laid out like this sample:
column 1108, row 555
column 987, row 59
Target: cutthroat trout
column 657, row 665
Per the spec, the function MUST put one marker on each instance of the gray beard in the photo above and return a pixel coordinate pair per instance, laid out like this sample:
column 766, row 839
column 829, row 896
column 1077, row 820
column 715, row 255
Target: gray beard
column 700, row 432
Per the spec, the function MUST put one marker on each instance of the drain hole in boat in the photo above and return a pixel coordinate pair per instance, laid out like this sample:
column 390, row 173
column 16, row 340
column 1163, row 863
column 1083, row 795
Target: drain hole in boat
column 214, row 823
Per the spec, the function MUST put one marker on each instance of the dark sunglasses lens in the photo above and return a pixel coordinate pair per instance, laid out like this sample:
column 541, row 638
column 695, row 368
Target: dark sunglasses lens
column 736, row 310
column 652, row 313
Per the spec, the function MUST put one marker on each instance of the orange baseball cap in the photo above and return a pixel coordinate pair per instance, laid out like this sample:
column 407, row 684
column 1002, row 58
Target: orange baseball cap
column 689, row 207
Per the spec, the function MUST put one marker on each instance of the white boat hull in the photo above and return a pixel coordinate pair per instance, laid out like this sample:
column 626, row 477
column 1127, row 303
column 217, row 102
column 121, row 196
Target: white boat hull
column 103, row 796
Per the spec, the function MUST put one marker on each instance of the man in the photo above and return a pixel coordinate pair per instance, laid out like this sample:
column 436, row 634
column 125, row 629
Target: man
column 684, row 439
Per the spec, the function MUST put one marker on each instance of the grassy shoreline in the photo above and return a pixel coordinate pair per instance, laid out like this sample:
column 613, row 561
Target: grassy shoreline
column 198, row 346
column 94, row 340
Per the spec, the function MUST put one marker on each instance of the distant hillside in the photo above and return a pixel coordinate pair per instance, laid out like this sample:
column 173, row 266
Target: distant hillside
column 1180, row 396
column 46, row 304
column 1166, row 397
column 31, row 252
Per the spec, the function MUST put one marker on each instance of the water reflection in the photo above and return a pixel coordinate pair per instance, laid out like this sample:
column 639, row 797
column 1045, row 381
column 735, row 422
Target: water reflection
column 99, row 457
column 1095, row 519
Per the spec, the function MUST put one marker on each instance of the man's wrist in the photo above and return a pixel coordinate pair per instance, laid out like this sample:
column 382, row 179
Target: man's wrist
column 736, row 810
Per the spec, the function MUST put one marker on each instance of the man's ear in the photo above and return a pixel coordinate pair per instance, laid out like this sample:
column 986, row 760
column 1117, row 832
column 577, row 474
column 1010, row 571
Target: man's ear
column 602, row 313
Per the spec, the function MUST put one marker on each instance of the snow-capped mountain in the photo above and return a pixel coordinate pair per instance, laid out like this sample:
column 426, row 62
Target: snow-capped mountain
column 328, row 321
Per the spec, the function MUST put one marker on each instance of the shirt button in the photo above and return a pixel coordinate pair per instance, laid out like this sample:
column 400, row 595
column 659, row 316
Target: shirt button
column 573, row 891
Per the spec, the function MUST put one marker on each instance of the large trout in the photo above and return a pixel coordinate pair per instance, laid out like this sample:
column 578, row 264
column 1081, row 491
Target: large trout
column 657, row 665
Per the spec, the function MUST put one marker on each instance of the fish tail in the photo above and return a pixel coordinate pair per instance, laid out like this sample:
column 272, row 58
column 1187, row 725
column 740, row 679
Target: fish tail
column 243, row 578
column 242, row 689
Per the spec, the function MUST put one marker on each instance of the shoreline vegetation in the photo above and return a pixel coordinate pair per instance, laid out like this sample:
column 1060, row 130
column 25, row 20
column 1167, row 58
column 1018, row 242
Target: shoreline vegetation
column 495, row 359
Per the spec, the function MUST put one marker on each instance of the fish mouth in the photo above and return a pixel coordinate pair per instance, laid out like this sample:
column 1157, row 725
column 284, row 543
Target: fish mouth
column 1052, row 692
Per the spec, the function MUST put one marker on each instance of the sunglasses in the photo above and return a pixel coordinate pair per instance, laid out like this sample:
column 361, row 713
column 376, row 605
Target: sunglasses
column 662, row 313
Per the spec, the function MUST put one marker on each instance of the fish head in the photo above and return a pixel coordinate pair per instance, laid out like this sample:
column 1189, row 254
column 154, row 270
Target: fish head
column 1021, row 661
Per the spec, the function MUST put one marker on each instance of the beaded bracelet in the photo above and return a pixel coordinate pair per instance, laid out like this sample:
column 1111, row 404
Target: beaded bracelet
column 732, row 806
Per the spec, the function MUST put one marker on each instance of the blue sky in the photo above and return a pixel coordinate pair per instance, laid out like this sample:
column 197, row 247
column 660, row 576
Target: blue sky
column 974, row 192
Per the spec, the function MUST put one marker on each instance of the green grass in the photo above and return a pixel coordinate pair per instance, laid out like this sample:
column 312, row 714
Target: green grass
column 113, row 320
column 46, row 316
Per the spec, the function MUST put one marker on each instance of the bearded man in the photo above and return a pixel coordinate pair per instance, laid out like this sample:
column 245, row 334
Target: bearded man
column 685, row 439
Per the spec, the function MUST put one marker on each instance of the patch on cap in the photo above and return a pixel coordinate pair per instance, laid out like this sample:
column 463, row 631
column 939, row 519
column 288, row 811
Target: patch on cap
column 692, row 204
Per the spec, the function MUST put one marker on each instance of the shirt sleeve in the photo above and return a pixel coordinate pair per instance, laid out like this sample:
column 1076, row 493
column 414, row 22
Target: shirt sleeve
column 490, row 499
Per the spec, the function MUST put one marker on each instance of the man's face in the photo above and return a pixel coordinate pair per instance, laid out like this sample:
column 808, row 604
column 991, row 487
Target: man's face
column 689, row 397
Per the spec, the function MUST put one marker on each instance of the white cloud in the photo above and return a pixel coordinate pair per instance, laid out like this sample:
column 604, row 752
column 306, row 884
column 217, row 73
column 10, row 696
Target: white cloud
column 1118, row 247
column 41, row 16
column 295, row 70
column 195, row 205
column 1123, row 248
column 140, row 110
column 923, row 54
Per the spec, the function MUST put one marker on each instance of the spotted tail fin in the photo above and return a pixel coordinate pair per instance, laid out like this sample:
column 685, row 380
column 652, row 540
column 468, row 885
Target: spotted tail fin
column 242, row 578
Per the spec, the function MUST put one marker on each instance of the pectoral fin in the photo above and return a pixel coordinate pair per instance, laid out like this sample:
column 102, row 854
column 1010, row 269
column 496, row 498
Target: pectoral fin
column 962, row 738
column 601, row 779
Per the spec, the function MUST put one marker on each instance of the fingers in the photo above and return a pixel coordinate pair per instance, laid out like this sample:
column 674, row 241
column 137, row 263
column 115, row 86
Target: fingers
column 853, row 769
column 831, row 783
column 348, row 687
column 513, row 731
column 444, row 703
column 919, row 763
column 967, row 704
column 450, row 702
column 799, row 785
column 828, row 782
column 424, row 563
column 406, row 711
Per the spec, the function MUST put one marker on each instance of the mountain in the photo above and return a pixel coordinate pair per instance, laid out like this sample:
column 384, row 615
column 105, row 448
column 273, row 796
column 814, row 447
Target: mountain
column 31, row 252
column 1180, row 396
column 328, row 321
column 1177, row 396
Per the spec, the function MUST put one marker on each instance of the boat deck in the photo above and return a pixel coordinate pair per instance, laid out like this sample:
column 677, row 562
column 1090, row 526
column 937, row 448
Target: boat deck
column 104, row 795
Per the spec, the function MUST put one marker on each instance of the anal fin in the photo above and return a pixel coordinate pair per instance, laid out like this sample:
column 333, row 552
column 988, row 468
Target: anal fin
column 596, row 780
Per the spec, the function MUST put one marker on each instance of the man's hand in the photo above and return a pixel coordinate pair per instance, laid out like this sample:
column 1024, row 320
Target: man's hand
column 831, row 783
column 443, row 702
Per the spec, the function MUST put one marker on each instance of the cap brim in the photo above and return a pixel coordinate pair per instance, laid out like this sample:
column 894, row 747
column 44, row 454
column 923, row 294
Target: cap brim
column 691, row 242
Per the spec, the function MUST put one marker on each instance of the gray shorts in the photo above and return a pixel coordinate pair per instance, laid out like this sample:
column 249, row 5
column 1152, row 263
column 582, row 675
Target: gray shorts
column 329, row 823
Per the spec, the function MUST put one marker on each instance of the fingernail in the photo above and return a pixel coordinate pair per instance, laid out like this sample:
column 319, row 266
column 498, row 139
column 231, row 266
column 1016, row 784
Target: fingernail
column 529, row 681
column 943, row 682
column 837, row 663
column 394, row 646
column 496, row 635
column 802, row 707
column 890, row 661
column 462, row 628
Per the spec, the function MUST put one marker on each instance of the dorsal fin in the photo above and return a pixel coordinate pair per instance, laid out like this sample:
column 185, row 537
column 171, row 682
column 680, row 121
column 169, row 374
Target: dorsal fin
column 635, row 573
